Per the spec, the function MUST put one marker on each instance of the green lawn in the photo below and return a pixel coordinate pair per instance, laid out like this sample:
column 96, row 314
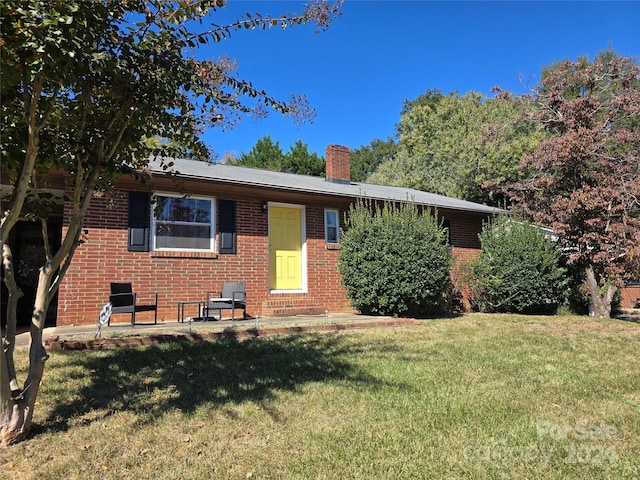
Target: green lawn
column 480, row 396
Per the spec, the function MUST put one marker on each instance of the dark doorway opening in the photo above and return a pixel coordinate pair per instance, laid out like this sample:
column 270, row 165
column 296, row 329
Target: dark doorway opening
column 28, row 256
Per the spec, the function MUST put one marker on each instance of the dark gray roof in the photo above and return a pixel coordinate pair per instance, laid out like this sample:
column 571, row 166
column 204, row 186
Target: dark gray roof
column 235, row 175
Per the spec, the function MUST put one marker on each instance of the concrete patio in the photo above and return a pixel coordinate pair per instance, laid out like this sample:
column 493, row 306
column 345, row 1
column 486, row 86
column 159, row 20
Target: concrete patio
column 242, row 328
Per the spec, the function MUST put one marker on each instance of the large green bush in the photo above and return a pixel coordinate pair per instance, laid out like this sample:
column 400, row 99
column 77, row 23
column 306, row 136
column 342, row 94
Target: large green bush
column 520, row 269
column 394, row 259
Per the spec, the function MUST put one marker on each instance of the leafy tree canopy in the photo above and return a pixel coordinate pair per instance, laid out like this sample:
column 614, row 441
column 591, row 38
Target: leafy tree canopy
column 456, row 145
column 299, row 160
column 264, row 154
column 269, row 155
column 584, row 181
column 366, row 159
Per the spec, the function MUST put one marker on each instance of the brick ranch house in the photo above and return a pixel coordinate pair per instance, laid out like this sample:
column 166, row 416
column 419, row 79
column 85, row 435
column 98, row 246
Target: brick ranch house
column 234, row 226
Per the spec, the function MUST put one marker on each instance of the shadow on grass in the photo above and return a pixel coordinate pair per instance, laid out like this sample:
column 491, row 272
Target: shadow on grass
column 154, row 380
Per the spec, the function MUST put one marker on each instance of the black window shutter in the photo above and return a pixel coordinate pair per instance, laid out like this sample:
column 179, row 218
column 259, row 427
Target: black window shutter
column 138, row 222
column 227, row 226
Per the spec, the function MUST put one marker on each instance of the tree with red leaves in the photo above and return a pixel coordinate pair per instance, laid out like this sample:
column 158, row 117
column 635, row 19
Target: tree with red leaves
column 584, row 182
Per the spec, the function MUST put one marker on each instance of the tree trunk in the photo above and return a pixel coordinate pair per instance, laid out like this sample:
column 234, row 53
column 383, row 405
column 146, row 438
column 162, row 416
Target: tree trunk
column 16, row 411
column 16, row 404
column 14, row 294
column 601, row 303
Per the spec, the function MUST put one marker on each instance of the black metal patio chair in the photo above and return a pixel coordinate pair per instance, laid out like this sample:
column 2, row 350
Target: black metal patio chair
column 124, row 300
column 232, row 297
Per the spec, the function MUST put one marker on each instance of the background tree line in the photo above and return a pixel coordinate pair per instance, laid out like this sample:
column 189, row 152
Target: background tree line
column 269, row 155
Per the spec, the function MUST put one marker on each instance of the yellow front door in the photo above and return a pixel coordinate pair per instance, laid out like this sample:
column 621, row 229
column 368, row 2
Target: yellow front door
column 285, row 248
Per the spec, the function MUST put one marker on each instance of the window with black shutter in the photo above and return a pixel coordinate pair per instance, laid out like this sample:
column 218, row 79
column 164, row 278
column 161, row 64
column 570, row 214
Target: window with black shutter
column 227, row 226
column 138, row 222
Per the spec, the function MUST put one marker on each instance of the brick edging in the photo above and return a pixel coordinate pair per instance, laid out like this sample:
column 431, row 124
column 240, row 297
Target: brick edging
column 56, row 344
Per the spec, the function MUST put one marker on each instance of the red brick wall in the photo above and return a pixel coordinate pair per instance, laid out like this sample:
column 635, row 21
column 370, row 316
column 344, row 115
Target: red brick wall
column 464, row 230
column 630, row 295
column 104, row 258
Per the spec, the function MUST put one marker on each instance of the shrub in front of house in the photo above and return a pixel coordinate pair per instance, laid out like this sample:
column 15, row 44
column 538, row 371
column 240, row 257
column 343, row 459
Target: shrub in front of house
column 519, row 270
column 394, row 259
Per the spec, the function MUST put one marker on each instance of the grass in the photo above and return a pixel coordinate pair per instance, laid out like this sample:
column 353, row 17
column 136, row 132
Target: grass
column 481, row 396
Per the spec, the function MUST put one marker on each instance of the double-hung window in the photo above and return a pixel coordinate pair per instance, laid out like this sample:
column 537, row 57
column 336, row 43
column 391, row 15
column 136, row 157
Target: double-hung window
column 181, row 223
column 331, row 226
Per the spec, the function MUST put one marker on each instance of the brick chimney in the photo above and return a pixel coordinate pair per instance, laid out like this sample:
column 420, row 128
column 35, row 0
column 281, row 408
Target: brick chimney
column 338, row 165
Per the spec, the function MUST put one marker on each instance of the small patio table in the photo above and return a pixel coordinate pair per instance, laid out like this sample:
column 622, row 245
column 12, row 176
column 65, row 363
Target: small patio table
column 181, row 306
column 219, row 304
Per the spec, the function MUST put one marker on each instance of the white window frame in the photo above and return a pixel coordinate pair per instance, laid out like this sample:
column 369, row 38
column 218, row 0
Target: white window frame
column 212, row 234
column 336, row 226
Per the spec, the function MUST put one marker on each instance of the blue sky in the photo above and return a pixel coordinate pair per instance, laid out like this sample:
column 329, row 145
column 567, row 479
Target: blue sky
column 378, row 54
